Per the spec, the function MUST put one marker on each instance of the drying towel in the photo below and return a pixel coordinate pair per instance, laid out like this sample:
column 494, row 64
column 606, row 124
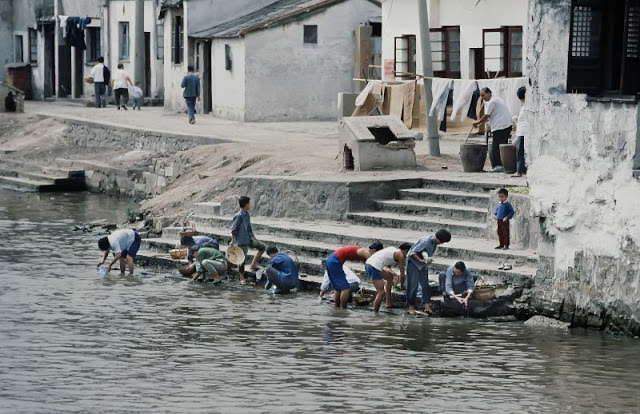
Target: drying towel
column 505, row 89
column 63, row 24
column 473, row 106
column 440, row 88
column 463, row 90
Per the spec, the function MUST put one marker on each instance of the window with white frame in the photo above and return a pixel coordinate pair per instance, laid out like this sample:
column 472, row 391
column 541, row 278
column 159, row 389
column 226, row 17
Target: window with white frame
column 123, row 31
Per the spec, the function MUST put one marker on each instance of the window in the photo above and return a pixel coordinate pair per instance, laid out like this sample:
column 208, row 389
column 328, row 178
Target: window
column 93, row 44
column 124, row 40
column 445, row 51
column 502, row 49
column 177, row 40
column 33, row 46
column 18, row 52
column 160, row 40
column 228, row 60
column 604, row 48
column 404, row 56
column 310, row 34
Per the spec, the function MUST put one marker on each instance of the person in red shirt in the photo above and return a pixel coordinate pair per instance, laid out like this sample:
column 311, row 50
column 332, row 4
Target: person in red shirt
column 337, row 277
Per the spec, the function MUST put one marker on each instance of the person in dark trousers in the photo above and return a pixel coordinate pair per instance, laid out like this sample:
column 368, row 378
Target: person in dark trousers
column 124, row 244
column 191, row 93
column 335, row 269
column 521, row 132
column 121, row 82
column 504, row 212
column 499, row 117
column 457, row 283
column 282, row 272
column 242, row 236
column 99, row 81
column 193, row 242
column 418, row 272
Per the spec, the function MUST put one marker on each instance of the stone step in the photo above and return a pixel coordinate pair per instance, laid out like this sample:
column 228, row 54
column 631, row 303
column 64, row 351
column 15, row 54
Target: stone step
column 46, row 170
column 485, row 183
column 336, row 234
column 460, row 198
column 434, row 209
column 312, row 264
column 427, row 224
column 60, row 183
column 24, row 184
column 207, row 208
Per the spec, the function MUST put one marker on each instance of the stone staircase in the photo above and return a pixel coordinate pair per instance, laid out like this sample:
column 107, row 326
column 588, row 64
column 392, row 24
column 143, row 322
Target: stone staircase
column 25, row 176
column 460, row 207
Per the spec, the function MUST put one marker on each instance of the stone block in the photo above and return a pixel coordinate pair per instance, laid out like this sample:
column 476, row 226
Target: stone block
column 376, row 142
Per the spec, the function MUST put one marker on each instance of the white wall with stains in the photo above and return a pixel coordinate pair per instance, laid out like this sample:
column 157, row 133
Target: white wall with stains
column 580, row 155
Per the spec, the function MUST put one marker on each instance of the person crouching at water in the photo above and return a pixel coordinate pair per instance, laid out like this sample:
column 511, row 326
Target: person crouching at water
column 418, row 272
column 457, row 283
column 378, row 267
column 192, row 241
column 124, row 244
column 335, row 270
column 282, row 272
column 210, row 263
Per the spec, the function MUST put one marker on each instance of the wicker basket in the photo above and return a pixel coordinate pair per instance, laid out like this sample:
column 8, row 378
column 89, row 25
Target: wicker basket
column 484, row 291
column 189, row 231
column 177, row 254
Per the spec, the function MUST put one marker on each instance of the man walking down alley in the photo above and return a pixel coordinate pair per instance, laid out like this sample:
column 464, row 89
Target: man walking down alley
column 97, row 73
column 191, row 85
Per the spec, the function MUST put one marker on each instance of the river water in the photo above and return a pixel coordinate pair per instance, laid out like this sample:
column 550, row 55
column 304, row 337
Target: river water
column 72, row 341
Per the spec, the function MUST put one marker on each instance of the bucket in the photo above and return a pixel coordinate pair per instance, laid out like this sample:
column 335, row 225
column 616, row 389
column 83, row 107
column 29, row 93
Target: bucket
column 473, row 156
column 508, row 157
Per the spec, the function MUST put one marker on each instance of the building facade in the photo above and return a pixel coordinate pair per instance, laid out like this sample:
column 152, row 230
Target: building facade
column 582, row 151
column 286, row 61
column 470, row 39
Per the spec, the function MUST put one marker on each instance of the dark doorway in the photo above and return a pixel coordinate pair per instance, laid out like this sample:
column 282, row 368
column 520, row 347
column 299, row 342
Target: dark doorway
column 147, row 64
column 478, row 63
column 383, row 135
column 79, row 72
column 49, row 60
column 206, row 78
column 64, row 70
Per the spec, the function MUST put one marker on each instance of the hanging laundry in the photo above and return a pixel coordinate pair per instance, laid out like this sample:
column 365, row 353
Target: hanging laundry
column 63, row 25
column 473, row 106
column 75, row 34
column 443, row 123
column 440, row 88
column 463, row 90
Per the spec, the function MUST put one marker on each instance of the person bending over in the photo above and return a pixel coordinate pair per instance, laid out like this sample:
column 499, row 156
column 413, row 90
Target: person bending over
column 282, row 272
column 378, row 267
column 124, row 244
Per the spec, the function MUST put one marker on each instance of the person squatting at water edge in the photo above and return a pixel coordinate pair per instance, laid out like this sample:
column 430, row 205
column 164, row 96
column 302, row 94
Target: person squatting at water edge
column 282, row 272
column 378, row 267
column 191, row 242
column 418, row 272
column 210, row 264
column 124, row 244
column 338, row 278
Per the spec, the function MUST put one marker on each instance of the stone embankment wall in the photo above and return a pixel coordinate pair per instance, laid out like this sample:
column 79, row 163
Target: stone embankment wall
column 153, row 160
column 584, row 194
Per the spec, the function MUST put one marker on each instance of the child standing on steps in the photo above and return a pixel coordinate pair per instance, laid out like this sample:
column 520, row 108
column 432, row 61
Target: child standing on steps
column 504, row 212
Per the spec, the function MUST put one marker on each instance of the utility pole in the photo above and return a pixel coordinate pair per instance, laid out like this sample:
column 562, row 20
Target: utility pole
column 138, row 35
column 431, row 132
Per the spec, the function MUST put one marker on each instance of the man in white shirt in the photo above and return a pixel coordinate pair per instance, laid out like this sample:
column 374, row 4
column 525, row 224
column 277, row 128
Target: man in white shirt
column 499, row 117
column 97, row 73
column 121, row 82
column 124, row 244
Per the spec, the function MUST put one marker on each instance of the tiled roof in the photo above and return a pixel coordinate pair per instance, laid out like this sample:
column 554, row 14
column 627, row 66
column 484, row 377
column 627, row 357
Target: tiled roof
column 277, row 13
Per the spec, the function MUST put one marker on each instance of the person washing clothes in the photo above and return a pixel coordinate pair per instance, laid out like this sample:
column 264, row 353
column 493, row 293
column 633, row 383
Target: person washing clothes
column 504, row 212
column 282, row 272
column 210, row 264
column 353, row 281
column 124, row 244
column 192, row 243
column 521, row 132
column 499, row 117
column 418, row 272
column 378, row 267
